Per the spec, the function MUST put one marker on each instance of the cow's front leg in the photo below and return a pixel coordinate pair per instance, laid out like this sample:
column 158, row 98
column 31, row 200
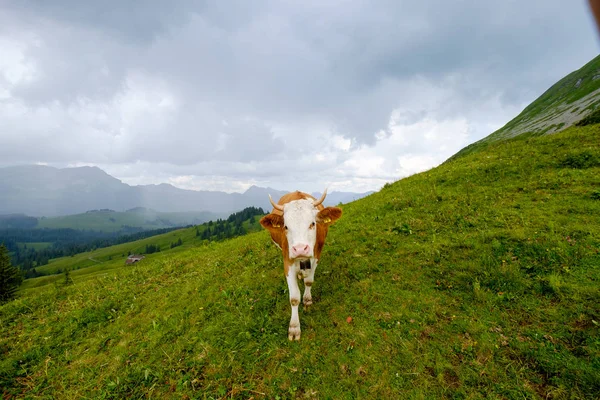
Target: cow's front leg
column 308, row 281
column 294, row 329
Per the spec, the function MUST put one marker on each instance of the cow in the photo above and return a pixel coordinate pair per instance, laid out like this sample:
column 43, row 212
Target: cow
column 298, row 225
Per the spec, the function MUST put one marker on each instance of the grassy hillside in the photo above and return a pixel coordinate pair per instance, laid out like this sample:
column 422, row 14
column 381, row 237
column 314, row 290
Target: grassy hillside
column 102, row 260
column 568, row 101
column 114, row 221
column 92, row 263
column 477, row 279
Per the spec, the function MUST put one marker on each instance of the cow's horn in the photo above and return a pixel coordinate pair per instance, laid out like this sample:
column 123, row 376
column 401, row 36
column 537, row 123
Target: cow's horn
column 275, row 206
column 318, row 202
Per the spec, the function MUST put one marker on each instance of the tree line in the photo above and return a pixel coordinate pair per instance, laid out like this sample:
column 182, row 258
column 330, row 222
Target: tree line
column 231, row 227
column 10, row 276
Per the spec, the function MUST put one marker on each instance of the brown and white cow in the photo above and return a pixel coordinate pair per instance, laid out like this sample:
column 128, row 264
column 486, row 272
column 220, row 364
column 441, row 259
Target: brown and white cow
column 298, row 225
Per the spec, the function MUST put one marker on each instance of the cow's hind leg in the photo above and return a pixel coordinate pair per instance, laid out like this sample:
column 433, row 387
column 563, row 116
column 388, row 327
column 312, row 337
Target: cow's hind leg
column 294, row 328
column 308, row 282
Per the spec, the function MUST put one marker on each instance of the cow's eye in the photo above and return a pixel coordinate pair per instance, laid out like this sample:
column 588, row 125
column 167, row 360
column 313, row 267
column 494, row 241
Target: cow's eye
column 312, row 225
column 285, row 227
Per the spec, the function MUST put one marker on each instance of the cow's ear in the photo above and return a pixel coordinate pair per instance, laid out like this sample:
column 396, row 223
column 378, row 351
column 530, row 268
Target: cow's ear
column 329, row 215
column 272, row 221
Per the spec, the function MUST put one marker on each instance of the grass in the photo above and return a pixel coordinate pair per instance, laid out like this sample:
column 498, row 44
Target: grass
column 592, row 118
column 478, row 279
column 101, row 260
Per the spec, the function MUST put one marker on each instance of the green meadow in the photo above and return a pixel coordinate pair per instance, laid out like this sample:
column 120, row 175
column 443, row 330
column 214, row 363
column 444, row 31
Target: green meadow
column 98, row 262
column 478, row 279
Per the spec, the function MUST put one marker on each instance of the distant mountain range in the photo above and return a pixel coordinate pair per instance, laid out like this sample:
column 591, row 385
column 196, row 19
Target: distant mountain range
column 38, row 191
column 122, row 222
column 565, row 103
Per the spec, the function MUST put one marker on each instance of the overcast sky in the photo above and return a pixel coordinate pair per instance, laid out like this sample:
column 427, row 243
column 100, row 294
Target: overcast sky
column 221, row 95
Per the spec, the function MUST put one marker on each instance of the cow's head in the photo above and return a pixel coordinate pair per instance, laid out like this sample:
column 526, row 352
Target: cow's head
column 299, row 223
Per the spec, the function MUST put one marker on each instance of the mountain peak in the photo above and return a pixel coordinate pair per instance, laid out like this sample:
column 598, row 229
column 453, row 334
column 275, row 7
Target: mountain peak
column 258, row 190
column 565, row 103
column 76, row 190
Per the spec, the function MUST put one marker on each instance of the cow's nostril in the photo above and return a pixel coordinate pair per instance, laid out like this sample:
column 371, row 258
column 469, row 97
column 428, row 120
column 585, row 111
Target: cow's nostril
column 301, row 249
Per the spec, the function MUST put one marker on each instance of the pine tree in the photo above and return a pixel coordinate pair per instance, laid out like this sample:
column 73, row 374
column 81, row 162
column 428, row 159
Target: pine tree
column 10, row 277
column 68, row 280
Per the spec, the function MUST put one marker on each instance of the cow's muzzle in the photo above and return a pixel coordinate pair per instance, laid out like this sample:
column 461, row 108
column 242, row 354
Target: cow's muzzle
column 301, row 251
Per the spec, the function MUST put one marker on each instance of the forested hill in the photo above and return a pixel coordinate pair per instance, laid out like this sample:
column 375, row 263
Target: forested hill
column 33, row 248
column 110, row 221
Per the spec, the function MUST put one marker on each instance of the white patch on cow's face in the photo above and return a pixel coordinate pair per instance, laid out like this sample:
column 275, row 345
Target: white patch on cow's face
column 299, row 217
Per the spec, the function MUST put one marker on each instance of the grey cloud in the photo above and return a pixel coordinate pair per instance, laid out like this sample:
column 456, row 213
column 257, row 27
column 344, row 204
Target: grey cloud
column 289, row 59
column 123, row 20
column 240, row 73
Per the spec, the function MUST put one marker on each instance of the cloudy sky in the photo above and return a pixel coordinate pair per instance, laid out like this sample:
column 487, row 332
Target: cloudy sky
column 221, row 95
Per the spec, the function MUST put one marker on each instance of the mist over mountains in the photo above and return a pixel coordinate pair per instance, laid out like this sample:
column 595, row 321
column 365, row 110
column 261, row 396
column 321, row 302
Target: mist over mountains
column 38, row 191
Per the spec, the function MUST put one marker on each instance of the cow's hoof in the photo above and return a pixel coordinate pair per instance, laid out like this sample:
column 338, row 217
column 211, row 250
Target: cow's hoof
column 307, row 302
column 294, row 332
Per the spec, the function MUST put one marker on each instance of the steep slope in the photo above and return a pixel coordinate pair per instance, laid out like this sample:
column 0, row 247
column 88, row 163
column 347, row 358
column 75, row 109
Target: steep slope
column 476, row 279
column 565, row 103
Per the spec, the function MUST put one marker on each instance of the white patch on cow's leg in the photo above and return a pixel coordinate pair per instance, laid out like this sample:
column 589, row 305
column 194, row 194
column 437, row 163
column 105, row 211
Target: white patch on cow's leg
column 308, row 281
column 294, row 329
